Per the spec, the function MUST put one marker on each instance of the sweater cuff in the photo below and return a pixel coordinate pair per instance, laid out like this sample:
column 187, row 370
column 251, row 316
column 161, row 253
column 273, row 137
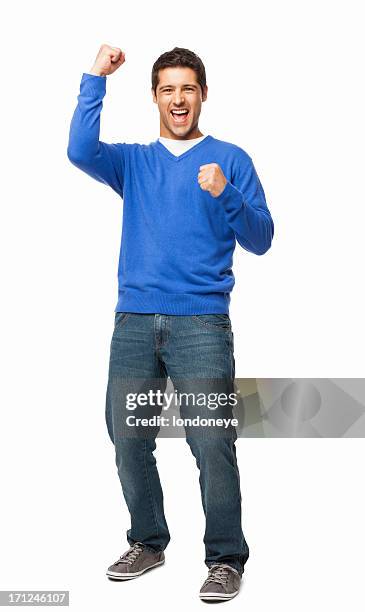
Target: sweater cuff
column 231, row 197
column 95, row 83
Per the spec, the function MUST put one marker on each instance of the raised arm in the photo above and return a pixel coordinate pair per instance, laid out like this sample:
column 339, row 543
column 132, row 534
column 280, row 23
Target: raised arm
column 247, row 212
column 244, row 202
column 103, row 162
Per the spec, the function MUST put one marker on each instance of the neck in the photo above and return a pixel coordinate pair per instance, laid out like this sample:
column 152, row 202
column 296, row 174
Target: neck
column 195, row 133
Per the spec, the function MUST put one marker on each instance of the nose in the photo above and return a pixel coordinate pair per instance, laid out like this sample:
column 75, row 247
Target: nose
column 178, row 97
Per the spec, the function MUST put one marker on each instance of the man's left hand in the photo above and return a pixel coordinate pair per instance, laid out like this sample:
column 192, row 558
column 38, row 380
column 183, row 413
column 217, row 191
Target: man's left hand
column 212, row 179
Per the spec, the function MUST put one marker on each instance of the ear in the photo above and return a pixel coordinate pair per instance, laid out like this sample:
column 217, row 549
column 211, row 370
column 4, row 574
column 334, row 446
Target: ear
column 205, row 93
column 153, row 96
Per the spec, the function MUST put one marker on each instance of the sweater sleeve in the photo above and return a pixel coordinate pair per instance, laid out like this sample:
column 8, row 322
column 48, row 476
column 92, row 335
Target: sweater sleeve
column 247, row 213
column 103, row 162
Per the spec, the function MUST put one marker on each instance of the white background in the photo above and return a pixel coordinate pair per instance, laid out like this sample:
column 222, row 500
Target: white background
column 286, row 84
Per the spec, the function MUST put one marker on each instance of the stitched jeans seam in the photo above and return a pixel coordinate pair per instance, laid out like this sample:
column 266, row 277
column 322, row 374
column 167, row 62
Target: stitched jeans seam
column 149, row 487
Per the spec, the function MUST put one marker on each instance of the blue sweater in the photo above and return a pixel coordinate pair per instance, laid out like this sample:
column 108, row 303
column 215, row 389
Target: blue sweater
column 177, row 243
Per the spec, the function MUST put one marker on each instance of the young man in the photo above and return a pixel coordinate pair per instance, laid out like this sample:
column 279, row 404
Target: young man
column 187, row 199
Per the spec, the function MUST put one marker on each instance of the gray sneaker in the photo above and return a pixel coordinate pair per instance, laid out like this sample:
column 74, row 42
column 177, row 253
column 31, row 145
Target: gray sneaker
column 134, row 562
column 223, row 583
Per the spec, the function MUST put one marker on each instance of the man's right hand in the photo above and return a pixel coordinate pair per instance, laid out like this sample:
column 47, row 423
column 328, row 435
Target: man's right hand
column 107, row 60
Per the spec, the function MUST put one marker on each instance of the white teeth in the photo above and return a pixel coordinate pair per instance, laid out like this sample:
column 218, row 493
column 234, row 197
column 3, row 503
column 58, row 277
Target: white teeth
column 179, row 112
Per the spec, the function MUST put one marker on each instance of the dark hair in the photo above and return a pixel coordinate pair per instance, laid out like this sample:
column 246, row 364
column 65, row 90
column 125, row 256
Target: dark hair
column 179, row 56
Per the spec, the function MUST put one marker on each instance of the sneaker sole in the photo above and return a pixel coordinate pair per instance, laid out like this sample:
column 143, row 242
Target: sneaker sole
column 217, row 596
column 130, row 576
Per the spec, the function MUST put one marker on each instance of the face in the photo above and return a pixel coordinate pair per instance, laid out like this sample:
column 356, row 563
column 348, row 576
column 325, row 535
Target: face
column 179, row 98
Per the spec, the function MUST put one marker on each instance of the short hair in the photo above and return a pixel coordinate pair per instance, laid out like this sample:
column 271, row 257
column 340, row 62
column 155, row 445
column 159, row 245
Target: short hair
column 179, row 56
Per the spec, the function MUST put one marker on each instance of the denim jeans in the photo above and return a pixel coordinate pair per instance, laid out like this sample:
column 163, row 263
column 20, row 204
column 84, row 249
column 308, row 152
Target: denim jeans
column 153, row 347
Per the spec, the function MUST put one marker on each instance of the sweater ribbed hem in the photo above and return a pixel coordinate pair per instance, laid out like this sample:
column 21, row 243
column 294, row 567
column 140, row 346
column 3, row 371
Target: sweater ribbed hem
column 156, row 302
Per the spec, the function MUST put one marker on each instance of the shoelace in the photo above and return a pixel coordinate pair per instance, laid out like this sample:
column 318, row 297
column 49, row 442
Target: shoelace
column 131, row 555
column 218, row 573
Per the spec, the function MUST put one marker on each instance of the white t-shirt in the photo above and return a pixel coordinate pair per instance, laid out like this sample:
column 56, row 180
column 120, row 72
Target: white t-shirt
column 177, row 147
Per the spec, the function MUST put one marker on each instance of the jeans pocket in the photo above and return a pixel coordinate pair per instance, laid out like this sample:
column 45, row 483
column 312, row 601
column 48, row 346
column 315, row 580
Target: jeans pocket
column 220, row 322
column 120, row 318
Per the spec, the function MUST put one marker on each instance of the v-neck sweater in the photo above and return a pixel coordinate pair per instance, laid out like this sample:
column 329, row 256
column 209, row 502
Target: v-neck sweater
column 178, row 147
column 177, row 242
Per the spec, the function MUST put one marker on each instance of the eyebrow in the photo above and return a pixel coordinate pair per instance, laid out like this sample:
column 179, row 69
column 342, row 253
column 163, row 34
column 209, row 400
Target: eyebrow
column 185, row 85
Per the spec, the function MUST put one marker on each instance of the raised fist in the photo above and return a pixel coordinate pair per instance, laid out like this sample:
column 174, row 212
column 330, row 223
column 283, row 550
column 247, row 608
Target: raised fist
column 107, row 60
column 212, row 179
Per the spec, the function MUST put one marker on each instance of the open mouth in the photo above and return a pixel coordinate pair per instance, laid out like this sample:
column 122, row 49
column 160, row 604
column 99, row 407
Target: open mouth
column 179, row 115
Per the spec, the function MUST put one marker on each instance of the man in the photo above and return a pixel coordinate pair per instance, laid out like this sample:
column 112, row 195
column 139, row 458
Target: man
column 187, row 199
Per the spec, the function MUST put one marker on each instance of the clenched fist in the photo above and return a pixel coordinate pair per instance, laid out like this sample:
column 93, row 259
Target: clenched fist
column 212, row 179
column 107, row 60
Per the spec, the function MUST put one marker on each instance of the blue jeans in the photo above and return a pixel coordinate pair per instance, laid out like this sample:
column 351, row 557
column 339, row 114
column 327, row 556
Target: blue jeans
column 153, row 347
